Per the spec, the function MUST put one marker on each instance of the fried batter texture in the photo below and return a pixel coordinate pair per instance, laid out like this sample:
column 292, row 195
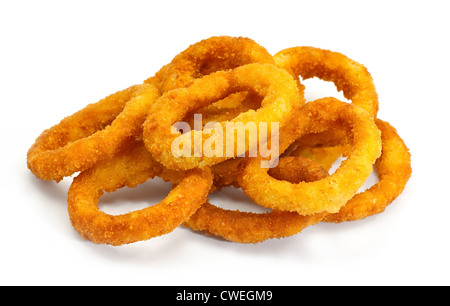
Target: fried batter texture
column 349, row 76
column 92, row 134
column 126, row 139
column 280, row 100
column 332, row 192
column 248, row 227
column 393, row 168
column 132, row 167
column 217, row 53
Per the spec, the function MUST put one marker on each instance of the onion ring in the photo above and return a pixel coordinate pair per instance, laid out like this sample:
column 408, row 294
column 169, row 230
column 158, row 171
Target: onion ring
column 328, row 194
column 248, row 227
column 349, row 76
column 217, row 53
column 132, row 167
column 393, row 167
column 394, row 170
column 281, row 99
column 210, row 55
column 92, row 134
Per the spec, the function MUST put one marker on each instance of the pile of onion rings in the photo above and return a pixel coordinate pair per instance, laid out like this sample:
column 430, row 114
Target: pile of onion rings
column 128, row 137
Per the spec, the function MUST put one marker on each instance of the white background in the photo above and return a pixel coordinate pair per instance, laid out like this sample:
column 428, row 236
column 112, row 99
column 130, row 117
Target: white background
column 57, row 57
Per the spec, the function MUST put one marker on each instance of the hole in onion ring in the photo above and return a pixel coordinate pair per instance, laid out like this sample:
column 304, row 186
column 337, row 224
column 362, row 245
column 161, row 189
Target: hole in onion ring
column 125, row 200
column 316, row 88
column 371, row 180
column 336, row 164
column 232, row 198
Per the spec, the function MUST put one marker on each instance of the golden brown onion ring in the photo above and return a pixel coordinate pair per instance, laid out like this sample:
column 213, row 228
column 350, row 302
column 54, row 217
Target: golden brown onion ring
column 248, row 227
column 129, row 168
column 349, row 76
column 217, row 53
column 328, row 194
column 393, row 168
column 92, row 134
column 210, row 55
column 281, row 99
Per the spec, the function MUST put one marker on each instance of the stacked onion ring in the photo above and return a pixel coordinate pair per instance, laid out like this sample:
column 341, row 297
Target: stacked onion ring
column 125, row 140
